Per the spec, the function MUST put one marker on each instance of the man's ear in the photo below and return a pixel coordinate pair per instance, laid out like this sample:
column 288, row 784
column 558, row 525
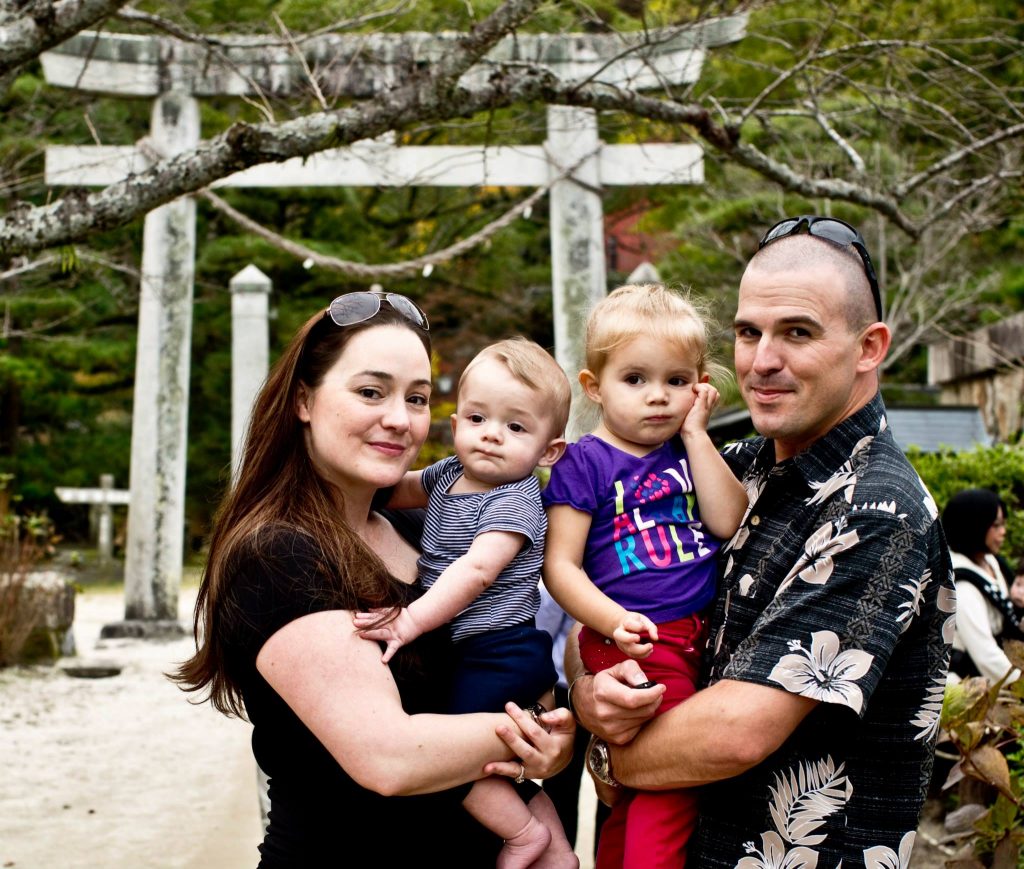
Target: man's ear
column 552, row 453
column 302, row 397
column 591, row 386
column 874, row 345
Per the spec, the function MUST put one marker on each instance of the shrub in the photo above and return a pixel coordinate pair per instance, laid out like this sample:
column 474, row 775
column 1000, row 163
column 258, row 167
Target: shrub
column 24, row 541
column 1000, row 468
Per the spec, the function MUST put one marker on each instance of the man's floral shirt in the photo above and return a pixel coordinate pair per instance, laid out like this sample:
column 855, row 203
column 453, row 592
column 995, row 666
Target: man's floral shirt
column 838, row 587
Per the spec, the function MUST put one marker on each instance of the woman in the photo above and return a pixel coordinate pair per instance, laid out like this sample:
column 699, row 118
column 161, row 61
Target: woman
column 296, row 549
column 974, row 522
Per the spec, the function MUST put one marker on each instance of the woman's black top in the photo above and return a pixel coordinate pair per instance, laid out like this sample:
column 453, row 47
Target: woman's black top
column 319, row 816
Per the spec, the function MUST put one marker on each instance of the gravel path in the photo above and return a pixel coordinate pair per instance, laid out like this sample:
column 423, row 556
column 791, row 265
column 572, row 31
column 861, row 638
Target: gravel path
column 123, row 771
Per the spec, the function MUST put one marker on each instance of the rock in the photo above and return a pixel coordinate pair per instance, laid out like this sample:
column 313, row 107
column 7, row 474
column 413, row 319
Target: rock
column 92, row 671
column 144, row 629
column 47, row 599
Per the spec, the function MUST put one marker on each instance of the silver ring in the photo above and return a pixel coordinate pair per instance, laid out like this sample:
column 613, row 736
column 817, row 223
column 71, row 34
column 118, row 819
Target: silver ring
column 522, row 774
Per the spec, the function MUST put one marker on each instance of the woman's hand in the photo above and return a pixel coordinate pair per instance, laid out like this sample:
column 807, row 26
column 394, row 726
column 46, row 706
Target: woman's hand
column 541, row 752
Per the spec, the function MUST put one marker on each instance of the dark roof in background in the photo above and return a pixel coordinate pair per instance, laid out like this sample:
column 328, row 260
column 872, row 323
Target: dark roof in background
column 927, row 428
column 933, row 428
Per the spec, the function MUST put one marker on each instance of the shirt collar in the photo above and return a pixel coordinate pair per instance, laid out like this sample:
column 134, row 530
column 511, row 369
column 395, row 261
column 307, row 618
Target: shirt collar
column 821, row 459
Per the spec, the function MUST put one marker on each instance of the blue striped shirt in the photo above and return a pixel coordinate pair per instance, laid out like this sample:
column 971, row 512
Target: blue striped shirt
column 453, row 522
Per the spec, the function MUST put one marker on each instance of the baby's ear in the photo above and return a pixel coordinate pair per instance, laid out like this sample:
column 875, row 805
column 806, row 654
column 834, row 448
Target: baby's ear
column 552, row 453
column 705, row 378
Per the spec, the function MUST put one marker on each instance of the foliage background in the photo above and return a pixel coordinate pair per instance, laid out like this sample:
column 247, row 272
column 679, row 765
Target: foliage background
column 67, row 346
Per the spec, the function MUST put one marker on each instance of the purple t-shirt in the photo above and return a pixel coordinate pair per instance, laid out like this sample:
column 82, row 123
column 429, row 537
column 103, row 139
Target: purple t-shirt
column 646, row 549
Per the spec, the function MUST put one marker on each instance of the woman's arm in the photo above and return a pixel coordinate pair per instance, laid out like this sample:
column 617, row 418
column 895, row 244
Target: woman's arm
column 570, row 586
column 332, row 679
column 974, row 630
column 409, row 492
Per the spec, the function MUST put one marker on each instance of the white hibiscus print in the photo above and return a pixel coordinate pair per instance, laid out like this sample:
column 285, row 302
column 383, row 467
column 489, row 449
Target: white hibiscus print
column 844, row 480
column 815, row 565
column 862, row 445
column 912, row 607
column 931, row 710
column 773, row 855
column 884, row 506
column 946, row 603
column 804, row 796
column 928, row 500
column 823, row 672
column 739, row 538
column 883, row 857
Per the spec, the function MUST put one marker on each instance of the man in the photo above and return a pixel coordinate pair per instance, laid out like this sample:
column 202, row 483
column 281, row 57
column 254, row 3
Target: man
column 830, row 638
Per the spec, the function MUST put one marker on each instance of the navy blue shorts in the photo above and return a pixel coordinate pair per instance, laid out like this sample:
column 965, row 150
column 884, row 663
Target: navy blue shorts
column 498, row 666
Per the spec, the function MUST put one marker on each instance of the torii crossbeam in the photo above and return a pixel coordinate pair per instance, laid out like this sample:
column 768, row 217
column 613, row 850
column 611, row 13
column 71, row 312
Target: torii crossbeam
column 175, row 73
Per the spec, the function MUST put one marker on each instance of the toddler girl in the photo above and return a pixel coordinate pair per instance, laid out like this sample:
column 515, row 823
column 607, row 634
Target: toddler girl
column 635, row 513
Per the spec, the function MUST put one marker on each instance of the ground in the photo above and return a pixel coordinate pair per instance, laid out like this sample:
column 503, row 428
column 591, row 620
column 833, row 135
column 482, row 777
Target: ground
column 124, row 773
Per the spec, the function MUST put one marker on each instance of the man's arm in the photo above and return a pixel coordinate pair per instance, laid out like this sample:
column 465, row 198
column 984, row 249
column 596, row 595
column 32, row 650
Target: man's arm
column 718, row 733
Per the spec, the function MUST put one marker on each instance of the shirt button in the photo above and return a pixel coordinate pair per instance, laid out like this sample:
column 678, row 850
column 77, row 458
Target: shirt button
column 755, row 520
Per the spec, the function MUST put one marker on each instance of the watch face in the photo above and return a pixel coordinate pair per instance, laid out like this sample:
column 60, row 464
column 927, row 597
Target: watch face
column 597, row 759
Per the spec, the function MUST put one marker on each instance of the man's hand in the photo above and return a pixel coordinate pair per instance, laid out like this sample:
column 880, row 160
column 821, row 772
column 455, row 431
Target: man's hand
column 400, row 632
column 607, row 705
column 634, row 634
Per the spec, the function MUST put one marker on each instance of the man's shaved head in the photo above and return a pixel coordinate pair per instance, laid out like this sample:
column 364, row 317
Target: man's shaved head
column 808, row 251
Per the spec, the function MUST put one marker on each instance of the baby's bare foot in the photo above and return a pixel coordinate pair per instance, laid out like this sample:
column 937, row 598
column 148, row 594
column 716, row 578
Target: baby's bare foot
column 525, row 846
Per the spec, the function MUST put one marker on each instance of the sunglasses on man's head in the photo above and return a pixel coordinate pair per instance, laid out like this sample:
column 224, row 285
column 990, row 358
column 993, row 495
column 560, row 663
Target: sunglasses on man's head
column 352, row 308
column 834, row 230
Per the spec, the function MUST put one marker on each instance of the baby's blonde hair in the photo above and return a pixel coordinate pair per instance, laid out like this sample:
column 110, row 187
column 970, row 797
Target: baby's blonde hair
column 533, row 366
column 654, row 312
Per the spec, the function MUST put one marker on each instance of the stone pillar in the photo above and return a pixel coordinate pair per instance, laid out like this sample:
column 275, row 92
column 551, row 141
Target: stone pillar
column 105, row 511
column 156, row 518
column 250, row 351
column 577, row 238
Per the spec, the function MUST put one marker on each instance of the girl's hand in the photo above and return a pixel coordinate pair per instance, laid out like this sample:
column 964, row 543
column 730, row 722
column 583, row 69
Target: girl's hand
column 634, row 635
column 705, row 398
column 541, row 753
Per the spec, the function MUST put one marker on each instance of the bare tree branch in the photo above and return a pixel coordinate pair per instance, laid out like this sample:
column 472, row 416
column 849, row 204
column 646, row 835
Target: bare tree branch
column 25, row 37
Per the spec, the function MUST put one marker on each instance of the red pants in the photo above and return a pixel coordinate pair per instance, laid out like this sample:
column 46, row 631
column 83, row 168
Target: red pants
column 650, row 829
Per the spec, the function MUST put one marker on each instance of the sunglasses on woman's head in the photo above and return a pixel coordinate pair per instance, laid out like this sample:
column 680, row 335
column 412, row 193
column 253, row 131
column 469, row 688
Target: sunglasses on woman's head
column 352, row 308
column 834, row 230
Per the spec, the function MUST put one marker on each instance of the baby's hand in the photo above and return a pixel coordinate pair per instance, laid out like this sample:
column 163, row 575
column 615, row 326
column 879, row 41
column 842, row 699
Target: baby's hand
column 400, row 632
column 630, row 637
column 705, row 398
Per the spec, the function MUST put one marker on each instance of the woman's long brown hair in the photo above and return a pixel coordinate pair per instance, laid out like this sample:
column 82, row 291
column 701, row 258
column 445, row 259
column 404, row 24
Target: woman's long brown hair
column 278, row 487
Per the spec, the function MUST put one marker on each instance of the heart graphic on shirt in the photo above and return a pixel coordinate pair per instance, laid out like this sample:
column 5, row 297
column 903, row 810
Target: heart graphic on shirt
column 651, row 489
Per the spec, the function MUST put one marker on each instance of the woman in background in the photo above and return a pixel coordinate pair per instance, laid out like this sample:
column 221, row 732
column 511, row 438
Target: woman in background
column 974, row 523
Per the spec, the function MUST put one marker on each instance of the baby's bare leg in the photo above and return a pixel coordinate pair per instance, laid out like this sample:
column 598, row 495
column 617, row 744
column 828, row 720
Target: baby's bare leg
column 495, row 805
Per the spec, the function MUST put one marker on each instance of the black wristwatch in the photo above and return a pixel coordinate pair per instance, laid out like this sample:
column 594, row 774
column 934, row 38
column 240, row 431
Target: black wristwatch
column 599, row 762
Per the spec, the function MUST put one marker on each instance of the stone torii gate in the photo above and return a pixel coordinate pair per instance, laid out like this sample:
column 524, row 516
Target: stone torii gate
column 175, row 73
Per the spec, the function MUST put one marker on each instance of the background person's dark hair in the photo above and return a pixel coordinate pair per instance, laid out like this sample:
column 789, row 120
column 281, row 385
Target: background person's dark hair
column 967, row 518
column 279, row 489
